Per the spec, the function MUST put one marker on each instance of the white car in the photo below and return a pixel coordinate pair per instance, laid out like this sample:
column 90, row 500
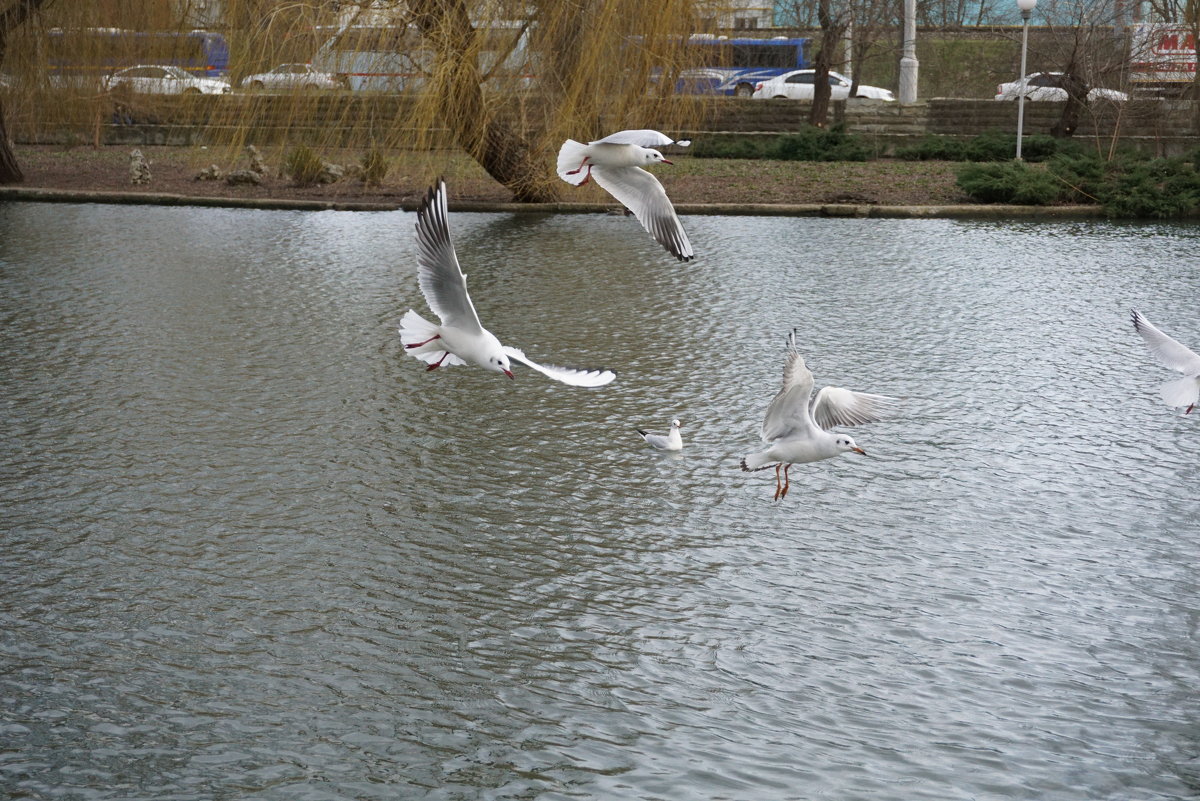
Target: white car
column 292, row 76
column 153, row 79
column 798, row 85
column 1050, row 86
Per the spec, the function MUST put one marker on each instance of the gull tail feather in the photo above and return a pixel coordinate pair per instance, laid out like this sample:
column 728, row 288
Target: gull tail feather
column 570, row 160
column 413, row 329
column 1183, row 392
column 757, row 461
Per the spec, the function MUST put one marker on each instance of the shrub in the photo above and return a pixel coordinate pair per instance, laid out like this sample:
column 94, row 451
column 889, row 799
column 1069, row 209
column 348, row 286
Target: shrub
column 989, row 146
column 1084, row 175
column 1012, row 182
column 733, row 148
column 934, row 148
column 1159, row 188
column 820, row 144
column 375, row 167
column 303, row 165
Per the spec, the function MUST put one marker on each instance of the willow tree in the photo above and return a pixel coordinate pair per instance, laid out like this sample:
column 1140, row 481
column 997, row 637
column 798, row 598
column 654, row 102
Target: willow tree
column 562, row 69
column 12, row 16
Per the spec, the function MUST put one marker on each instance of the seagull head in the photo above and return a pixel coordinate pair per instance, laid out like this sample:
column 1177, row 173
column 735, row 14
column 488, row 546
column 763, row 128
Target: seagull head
column 499, row 363
column 654, row 157
column 676, row 424
column 847, row 444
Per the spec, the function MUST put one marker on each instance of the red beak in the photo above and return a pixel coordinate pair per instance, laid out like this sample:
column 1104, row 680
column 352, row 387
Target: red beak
column 509, row 373
column 667, row 161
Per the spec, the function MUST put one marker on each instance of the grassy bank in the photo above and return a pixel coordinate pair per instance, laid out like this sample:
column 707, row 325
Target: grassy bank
column 690, row 180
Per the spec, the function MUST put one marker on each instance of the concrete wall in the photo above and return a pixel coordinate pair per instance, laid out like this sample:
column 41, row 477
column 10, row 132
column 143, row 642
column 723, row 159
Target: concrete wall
column 1161, row 127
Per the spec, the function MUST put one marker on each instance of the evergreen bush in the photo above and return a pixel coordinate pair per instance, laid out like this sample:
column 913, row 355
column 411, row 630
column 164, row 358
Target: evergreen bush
column 1156, row 188
column 1011, row 182
column 821, row 144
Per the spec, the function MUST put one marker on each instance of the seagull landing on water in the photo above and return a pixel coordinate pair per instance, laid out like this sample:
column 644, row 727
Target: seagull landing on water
column 670, row 441
column 1182, row 391
column 616, row 163
column 796, row 424
column 460, row 339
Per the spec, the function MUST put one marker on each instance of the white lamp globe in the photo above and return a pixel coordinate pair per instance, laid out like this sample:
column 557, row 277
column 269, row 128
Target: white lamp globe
column 1026, row 5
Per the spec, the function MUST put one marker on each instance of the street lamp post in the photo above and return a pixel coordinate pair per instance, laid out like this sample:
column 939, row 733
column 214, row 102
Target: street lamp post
column 908, row 61
column 1026, row 7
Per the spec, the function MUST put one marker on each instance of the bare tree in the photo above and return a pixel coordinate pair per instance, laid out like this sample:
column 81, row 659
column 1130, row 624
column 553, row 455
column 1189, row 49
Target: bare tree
column 12, row 16
column 1083, row 48
column 833, row 24
column 870, row 21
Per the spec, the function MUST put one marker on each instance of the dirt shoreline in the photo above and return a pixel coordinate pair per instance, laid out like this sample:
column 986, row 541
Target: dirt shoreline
column 696, row 186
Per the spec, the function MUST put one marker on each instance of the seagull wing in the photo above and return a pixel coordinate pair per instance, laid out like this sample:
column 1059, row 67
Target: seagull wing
column 567, row 375
column 788, row 412
column 643, row 137
column 438, row 274
column 834, row 406
column 642, row 194
column 1169, row 352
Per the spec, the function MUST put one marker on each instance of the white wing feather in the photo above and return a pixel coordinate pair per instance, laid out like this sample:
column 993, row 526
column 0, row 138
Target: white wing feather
column 567, row 375
column 1169, row 352
column 643, row 137
column 641, row 193
column 835, row 406
column 440, row 277
column 788, row 411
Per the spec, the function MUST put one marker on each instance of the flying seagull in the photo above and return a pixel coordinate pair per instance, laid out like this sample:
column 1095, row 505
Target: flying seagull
column 1175, row 355
column 670, row 441
column 796, row 425
column 461, row 339
column 616, row 163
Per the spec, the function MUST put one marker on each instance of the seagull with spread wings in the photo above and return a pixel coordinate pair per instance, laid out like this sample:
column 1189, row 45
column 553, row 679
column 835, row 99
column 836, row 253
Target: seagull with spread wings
column 461, row 339
column 796, row 426
column 616, row 163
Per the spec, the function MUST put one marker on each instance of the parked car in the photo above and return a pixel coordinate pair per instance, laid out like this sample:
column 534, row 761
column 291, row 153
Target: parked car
column 292, row 76
column 798, row 85
column 153, row 79
column 1050, row 86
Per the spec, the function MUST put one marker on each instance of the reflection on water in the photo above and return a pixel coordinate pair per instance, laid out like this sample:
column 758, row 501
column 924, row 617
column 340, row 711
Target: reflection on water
column 252, row 549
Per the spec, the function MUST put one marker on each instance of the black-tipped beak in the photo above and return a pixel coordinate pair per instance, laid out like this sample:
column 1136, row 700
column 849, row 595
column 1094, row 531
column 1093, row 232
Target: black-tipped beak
column 667, row 161
column 509, row 373
column 859, row 450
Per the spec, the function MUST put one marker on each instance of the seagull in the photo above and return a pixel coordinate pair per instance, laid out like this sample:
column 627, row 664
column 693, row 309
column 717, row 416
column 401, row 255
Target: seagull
column 1182, row 391
column 664, row 442
column 461, row 339
column 797, row 425
column 616, row 163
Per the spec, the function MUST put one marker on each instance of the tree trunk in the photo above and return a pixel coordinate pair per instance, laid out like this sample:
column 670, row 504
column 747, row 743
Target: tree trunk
column 12, row 16
column 10, row 171
column 495, row 144
column 831, row 35
column 1077, row 92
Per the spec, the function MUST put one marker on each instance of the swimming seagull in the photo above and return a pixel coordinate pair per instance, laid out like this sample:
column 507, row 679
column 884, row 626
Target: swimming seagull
column 1170, row 353
column 670, row 441
column 616, row 163
column 460, row 339
column 797, row 425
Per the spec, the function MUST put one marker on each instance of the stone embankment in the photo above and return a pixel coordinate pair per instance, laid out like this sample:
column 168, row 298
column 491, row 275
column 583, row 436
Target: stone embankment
column 1162, row 127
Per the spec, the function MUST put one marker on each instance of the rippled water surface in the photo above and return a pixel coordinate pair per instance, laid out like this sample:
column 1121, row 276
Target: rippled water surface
column 253, row 550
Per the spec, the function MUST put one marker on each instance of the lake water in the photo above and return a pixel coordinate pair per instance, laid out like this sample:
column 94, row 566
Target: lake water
column 252, row 550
